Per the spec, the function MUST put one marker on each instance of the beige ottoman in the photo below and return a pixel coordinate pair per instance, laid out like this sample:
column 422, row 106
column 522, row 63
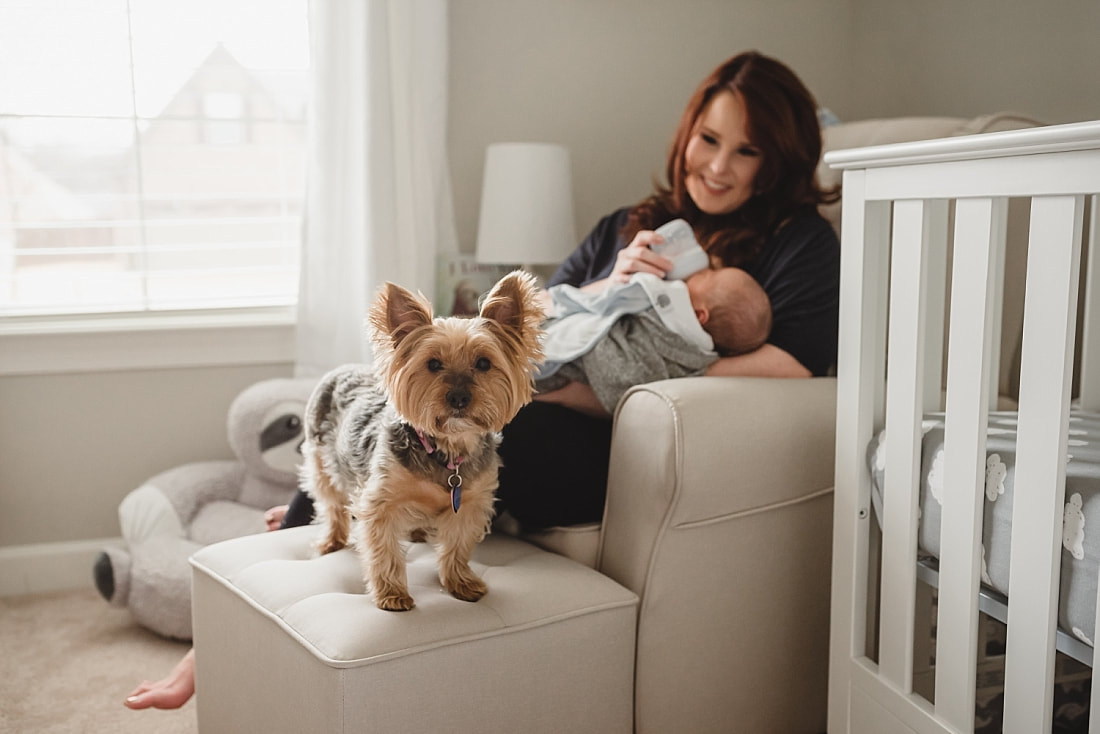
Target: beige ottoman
column 289, row 642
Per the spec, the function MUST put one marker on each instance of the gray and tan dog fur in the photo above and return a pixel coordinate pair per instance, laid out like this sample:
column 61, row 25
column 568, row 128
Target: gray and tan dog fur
column 387, row 447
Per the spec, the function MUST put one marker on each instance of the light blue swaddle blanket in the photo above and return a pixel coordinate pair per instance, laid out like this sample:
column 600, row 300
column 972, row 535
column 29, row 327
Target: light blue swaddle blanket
column 581, row 319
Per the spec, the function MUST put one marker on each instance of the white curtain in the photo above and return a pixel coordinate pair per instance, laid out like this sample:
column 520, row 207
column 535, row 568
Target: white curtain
column 378, row 201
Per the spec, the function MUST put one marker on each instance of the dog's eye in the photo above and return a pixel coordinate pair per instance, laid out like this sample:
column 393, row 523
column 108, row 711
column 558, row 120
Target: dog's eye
column 482, row 364
column 434, row 365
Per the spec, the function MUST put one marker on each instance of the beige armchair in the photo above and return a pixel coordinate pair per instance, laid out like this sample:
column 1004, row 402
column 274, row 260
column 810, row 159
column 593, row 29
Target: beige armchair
column 709, row 612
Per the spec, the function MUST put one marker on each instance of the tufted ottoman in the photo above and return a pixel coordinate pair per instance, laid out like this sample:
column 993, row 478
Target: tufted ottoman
column 289, row 642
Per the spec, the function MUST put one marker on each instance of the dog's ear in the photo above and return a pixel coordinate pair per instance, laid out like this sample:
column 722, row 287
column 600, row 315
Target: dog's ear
column 513, row 302
column 396, row 313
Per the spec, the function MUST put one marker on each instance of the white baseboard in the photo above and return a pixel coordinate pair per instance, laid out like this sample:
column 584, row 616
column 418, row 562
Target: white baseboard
column 40, row 567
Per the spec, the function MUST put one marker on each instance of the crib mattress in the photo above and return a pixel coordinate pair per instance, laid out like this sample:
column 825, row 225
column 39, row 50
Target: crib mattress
column 1081, row 524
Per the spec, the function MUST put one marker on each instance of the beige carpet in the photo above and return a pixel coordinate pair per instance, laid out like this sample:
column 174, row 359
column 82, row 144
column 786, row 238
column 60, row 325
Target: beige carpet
column 67, row 661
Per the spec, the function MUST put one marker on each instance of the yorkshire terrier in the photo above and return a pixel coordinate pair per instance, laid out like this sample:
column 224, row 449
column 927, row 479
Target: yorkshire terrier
column 408, row 450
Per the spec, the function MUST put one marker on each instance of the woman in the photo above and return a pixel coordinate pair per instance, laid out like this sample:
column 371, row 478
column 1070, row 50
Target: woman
column 741, row 171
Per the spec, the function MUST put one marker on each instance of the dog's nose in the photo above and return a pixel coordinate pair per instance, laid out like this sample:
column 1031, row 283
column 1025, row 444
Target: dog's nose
column 458, row 397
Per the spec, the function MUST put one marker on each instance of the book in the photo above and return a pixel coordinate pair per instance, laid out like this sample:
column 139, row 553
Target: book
column 461, row 282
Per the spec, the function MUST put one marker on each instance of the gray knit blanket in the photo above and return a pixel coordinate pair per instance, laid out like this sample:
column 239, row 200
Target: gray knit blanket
column 638, row 348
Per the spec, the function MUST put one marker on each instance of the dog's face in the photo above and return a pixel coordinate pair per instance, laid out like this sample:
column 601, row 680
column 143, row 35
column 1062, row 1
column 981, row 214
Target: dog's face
column 458, row 376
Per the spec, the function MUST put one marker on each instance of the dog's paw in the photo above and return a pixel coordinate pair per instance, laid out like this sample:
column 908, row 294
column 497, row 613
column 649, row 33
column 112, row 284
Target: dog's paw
column 466, row 588
column 395, row 602
column 329, row 545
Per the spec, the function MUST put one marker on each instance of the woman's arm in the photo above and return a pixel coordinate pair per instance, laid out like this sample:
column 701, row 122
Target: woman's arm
column 767, row 361
column 596, row 286
column 576, row 396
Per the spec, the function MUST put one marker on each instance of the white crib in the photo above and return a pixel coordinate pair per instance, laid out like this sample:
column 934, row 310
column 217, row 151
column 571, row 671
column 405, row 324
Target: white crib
column 898, row 201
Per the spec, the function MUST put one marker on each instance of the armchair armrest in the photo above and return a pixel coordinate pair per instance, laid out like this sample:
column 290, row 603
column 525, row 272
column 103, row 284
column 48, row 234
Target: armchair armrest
column 700, row 449
column 719, row 516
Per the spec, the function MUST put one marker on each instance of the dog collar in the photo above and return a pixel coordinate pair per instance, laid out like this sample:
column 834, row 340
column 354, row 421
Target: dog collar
column 454, row 482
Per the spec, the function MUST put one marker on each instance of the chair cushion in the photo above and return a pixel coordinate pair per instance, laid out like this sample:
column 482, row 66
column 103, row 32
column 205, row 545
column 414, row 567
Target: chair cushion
column 550, row 633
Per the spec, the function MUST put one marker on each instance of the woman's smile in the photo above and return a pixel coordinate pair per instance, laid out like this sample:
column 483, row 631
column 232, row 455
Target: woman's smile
column 715, row 187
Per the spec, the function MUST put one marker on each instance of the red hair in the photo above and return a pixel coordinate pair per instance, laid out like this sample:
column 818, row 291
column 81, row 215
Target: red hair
column 782, row 124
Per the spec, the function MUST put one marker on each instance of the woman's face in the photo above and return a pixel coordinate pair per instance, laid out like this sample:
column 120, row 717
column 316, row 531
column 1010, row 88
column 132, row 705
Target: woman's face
column 720, row 161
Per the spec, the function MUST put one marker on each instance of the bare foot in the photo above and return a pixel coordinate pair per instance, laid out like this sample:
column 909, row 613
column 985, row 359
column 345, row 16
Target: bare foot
column 274, row 516
column 170, row 692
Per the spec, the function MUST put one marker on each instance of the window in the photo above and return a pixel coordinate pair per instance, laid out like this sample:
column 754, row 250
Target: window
column 224, row 114
column 152, row 154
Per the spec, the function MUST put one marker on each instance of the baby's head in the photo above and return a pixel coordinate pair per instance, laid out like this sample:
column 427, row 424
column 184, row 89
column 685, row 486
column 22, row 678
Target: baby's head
column 732, row 307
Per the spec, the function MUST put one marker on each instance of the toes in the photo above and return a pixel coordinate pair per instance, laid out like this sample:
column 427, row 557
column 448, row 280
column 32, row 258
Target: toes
column 396, row 603
column 466, row 589
column 329, row 546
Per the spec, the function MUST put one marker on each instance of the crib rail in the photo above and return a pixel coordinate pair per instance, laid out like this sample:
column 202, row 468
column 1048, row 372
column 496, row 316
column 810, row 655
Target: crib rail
column 894, row 244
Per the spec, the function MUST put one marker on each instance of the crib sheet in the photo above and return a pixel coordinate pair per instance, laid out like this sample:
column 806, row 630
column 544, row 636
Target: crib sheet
column 1081, row 524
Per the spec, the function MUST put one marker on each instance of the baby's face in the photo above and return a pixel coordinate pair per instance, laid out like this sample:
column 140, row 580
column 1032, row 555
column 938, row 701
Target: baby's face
column 698, row 284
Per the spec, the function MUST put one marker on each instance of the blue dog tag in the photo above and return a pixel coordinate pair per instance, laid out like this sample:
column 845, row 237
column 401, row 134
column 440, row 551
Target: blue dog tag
column 456, row 497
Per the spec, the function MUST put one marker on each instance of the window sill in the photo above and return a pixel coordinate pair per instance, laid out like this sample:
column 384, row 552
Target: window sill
column 100, row 343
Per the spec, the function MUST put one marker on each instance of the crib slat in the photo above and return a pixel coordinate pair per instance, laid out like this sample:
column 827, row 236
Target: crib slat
column 935, row 301
column 1000, row 227
column 1050, row 306
column 978, row 238
column 904, row 408
column 861, row 364
column 1090, row 329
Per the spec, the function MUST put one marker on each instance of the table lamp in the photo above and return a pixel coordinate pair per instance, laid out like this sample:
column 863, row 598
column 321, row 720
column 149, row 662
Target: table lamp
column 526, row 205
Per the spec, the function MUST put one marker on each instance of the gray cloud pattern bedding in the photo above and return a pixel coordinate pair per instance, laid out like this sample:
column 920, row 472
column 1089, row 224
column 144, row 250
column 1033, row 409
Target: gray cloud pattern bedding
column 1081, row 523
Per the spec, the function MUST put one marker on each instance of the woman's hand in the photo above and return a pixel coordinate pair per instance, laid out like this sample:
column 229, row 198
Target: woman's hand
column 546, row 302
column 638, row 258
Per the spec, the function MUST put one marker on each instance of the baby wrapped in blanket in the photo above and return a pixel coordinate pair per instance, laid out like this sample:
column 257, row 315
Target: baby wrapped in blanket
column 651, row 328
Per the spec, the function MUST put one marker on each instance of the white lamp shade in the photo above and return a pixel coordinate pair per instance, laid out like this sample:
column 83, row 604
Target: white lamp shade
column 526, row 205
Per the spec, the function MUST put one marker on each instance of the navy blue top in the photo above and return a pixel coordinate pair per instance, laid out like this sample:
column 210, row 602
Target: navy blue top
column 798, row 267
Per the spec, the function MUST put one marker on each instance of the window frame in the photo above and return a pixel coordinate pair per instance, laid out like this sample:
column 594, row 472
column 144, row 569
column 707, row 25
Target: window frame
column 34, row 345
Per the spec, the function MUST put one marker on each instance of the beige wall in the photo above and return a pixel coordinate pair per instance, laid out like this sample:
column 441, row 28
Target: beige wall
column 608, row 78
column 944, row 57
column 73, row 445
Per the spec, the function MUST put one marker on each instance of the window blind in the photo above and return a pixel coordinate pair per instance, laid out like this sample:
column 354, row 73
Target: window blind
column 152, row 154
